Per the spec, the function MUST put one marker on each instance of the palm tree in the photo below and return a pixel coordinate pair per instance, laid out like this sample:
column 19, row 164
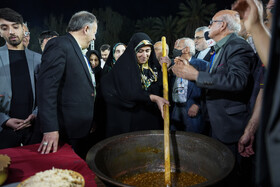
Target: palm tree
column 56, row 23
column 194, row 14
column 146, row 25
column 128, row 29
column 109, row 26
column 166, row 26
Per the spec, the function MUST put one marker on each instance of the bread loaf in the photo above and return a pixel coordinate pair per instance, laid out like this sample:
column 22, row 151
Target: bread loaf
column 54, row 178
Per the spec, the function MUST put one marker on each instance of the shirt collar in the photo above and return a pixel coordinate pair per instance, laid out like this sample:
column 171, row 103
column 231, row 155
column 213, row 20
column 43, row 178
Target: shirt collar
column 205, row 50
column 84, row 51
column 222, row 42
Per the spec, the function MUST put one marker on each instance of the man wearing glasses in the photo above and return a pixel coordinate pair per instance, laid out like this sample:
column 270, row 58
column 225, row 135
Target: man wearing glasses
column 228, row 83
column 201, row 46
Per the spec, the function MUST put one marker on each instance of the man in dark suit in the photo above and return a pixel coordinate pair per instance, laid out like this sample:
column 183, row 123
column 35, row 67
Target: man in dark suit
column 18, row 71
column 45, row 36
column 228, row 82
column 66, row 87
column 186, row 112
column 201, row 46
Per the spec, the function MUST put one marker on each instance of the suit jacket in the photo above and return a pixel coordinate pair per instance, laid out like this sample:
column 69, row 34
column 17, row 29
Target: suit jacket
column 33, row 62
column 194, row 92
column 65, row 89
column 207, row 56
column 229, row 87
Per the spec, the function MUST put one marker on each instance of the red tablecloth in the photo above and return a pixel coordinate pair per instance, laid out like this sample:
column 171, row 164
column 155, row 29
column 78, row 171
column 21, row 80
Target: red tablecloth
column 26, row 161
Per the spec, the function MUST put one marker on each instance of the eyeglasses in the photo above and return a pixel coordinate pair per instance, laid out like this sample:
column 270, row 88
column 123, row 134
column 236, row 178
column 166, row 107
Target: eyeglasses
column 26, row 33
column 198, row 37
column 212, row 21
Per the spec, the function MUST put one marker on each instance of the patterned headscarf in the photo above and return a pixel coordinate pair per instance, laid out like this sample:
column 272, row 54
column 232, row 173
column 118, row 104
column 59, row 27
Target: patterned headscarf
column 148, row 76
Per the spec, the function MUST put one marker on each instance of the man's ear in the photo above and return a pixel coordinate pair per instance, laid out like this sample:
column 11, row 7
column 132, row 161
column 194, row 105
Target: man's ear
column 186, row 50
column 224, row 26
column 86, row 29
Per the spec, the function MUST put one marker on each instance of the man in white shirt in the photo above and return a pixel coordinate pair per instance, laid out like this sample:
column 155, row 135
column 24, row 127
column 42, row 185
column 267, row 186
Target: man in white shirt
column 105, row 51
column 203, row 51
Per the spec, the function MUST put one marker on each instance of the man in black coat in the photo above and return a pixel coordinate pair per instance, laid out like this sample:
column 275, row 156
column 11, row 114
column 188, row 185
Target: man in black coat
column 66, row 86
column 203, row 50
column 228, row 82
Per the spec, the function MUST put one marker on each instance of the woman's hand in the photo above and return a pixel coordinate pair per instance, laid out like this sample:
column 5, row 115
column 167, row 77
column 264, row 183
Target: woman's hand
column 160, row 101
column 166, row 60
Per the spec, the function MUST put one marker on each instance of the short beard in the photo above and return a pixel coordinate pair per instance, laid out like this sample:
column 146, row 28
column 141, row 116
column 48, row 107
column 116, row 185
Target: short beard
column 14, row 43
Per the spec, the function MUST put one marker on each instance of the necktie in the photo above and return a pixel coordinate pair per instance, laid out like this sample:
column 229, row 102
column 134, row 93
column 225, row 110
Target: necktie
column 211, row 61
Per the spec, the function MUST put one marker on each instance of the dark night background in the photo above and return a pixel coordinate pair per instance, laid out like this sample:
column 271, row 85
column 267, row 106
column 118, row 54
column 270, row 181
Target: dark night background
column 121, row 20
column 36, row 10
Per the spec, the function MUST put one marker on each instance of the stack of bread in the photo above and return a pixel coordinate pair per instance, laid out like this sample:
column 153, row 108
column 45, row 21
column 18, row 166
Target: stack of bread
column 55, row 178
column 4, row 164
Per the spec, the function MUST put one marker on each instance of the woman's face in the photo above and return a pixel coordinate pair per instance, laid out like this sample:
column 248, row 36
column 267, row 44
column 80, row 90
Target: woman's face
column 119, row 51
column 143, row 54
column 93, row 60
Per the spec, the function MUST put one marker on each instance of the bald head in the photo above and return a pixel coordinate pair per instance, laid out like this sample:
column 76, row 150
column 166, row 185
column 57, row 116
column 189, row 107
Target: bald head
column 224, row 22
column 232, row 19
column 229, row 12
column 158, row 49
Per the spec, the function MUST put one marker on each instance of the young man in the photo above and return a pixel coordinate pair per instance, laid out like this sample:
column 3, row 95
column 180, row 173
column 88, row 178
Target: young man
column 105, row 51
column 18, row 70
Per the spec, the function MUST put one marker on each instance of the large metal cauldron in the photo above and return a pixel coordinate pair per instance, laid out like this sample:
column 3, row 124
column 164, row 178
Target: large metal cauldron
column 143, row 151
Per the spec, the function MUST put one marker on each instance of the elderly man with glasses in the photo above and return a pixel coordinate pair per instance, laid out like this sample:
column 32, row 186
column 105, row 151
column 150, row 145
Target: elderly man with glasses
column 228, row 86
column 201, row 46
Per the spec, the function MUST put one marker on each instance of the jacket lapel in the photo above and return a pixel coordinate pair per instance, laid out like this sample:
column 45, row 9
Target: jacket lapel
column 80, row 55
column 4, row 62
column 217, row 61
column 207, row 56
column 190, row 83
column 220, row 53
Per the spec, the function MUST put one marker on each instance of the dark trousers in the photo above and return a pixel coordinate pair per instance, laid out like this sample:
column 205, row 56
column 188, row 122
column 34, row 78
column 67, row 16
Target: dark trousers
column 80, row 145
column 243, row 171
column 181, row 121
column 10, row 138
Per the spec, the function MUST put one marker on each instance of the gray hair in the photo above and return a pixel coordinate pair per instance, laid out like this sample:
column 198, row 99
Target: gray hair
column 190, row 44
column 80, row 20
column 203, row 28
column 233, row 22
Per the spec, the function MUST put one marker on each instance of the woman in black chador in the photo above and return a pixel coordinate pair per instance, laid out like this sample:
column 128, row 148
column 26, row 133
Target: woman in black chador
column 114, row 55
column 132, row 89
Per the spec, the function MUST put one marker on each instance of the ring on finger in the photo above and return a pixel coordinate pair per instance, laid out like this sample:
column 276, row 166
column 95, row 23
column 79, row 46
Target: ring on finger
column 45, row 143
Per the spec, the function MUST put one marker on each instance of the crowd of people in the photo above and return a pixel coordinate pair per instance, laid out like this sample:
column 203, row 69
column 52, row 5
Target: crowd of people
column 223, row 83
